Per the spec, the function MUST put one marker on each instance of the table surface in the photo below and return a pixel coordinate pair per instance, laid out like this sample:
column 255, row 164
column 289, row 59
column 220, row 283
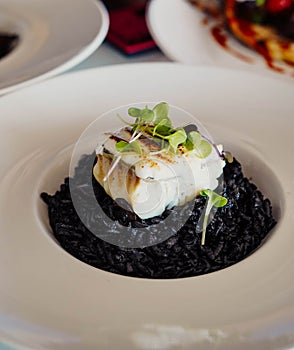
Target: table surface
column 108, row 55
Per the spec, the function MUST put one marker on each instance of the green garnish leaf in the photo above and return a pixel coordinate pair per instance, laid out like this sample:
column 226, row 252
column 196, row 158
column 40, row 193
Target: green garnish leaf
column 228, row 156
column 189, row 145
column 161, row 111
column 204, row 149
column 176, row 139
column 214, row 200
column 163, row 128
column 158, row 125
column 193, row 140
column 134, row 112
column 220, row 202
column 123, row 146
column 146, row 115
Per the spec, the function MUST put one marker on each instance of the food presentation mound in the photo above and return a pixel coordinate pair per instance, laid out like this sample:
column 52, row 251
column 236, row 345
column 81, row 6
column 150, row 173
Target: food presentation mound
column 224, row 217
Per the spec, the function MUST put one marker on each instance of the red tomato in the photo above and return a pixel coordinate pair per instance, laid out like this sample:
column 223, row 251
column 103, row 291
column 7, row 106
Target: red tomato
column 277, row 5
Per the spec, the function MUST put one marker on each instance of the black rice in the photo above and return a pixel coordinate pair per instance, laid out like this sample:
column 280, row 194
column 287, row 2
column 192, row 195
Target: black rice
column 236, row 230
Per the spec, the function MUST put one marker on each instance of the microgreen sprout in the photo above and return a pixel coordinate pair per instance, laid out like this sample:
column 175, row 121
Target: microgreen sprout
column 156, row 123
column 113, row 166
column 214, row 200
column 195, row 141
column 123, row 146
column 228, row 156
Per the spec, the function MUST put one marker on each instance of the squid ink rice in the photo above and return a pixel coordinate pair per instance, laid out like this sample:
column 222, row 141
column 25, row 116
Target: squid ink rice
column 235, row 232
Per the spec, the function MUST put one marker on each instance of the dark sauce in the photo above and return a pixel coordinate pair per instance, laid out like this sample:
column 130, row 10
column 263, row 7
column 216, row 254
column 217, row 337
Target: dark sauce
column 215, row 15
column 8, row 42
column 219, row 35
column 258, row 46
column 262, row 49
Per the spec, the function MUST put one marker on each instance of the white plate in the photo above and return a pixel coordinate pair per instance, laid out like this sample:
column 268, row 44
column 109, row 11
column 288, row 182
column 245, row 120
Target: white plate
column 178, row 29
column 54, row 35
column 48, row 299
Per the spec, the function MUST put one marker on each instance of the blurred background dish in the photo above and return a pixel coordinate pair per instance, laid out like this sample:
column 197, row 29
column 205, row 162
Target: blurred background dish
column 51, row 37
column 185, row 34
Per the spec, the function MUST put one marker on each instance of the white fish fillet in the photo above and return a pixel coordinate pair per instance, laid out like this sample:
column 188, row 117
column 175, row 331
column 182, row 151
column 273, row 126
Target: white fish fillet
column 152, row 183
